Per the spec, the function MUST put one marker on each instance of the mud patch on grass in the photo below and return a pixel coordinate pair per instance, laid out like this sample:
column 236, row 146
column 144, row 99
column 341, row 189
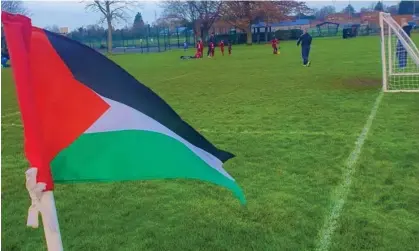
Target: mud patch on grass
column 359, row 83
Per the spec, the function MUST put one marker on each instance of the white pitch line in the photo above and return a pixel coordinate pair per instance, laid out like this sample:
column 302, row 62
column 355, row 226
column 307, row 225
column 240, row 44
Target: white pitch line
column 176, row 77
column 341, row 192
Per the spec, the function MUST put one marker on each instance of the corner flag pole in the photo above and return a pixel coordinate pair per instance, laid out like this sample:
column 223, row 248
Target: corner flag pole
column 43, row 202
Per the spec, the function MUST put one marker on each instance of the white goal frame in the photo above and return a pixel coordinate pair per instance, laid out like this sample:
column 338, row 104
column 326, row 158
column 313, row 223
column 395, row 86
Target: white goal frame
column 390, row 32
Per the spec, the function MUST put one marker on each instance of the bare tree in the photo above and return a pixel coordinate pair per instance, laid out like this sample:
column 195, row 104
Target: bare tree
column 325, row 11
column 15, row 7
column 182, row 10
column 203, row 12
column 242, row 14
column 208, row 12
column 112, row 11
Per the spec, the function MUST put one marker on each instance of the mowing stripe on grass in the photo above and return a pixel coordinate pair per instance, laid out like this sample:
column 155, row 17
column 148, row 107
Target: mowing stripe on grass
column 10, row 114
column 267, row 132
column 341, row 192
column 11, row 125
column 274, row 132
column 263, row 132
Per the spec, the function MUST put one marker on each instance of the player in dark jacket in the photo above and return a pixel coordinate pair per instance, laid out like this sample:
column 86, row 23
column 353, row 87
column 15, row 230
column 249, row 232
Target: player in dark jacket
column 4, row 57
column 305, row 41
column 401, row 52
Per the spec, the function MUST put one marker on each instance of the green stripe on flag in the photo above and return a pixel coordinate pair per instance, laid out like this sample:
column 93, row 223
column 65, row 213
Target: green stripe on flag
column 133, row 155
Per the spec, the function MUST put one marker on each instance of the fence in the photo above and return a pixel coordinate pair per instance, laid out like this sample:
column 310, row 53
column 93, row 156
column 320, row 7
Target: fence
column 159, row 39
column 155, row 39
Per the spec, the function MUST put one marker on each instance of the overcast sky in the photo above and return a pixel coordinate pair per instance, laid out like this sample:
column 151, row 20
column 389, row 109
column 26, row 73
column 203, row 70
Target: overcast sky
column 73, row 15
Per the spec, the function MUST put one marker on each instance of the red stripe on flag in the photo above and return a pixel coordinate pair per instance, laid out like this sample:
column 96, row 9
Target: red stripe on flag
column 17, row 31
column 64, row 107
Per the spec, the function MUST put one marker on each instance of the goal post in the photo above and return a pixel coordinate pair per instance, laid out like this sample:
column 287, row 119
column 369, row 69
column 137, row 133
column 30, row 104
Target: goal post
column 399, row 57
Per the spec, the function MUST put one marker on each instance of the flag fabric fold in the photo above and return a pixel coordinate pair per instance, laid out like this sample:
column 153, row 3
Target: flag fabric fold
column 87, row 119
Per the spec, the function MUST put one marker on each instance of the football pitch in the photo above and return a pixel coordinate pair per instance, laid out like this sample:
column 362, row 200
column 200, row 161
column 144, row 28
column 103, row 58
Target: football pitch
column 325, row 162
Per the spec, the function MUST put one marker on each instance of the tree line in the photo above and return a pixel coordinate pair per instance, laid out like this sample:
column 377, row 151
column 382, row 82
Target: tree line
column 402, row 8
column 199, row 16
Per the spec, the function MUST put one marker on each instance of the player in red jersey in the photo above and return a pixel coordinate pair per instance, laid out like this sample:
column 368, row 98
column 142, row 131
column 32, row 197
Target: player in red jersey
column 275, row 45
column 202, row 48
column 212, row 47
column 199, row 48
column 222, row 47
column 197, row 55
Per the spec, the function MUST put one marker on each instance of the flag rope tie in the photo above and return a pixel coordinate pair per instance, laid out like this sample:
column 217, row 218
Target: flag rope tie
column 35, row 192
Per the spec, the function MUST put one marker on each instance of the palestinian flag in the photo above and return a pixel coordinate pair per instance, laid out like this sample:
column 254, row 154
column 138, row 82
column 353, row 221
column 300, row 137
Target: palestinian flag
column 87, row 119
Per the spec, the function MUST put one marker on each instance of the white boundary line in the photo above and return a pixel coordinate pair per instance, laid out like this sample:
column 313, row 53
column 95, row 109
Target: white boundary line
column 341, row 193
column 176, row 77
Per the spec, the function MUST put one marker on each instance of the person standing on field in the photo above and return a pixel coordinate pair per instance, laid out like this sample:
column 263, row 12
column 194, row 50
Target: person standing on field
column 202, row 48
column 199, row 47
column 210, row 40
column 401, row 52
column 212, row 46
column 305, row 41
column 274, row 43
column 222, row 47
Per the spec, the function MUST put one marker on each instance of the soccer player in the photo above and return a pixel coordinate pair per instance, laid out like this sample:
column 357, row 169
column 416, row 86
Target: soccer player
column 400, row 50
column 275, row 45
column 305, row 40
column 212, row 46
column 229, row 47
column 222, row 47
column 196, row 56
column 185, row 46
column 210, row 40
column 199, row 47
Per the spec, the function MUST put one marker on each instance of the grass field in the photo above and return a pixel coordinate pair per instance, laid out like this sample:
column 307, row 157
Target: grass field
column 292, row 129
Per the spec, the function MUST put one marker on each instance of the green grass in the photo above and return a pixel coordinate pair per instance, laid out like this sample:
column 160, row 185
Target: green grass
column 292, row 129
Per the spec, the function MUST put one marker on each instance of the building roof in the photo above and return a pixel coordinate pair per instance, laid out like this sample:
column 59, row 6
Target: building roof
column 324, row 23
column 283, row 23
column 293, row 23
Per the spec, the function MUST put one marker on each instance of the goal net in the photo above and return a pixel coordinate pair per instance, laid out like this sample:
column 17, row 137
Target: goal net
column 400, row 57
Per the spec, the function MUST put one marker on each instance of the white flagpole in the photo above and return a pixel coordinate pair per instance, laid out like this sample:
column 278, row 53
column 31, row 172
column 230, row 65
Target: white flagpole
column 43, row 202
